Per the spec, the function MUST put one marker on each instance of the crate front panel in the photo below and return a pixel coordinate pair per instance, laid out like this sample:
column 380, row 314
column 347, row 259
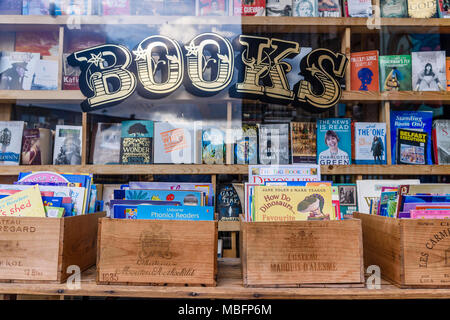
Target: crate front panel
column 426, row 246
column 29, row 248
column 316, row 252
column 159, row 252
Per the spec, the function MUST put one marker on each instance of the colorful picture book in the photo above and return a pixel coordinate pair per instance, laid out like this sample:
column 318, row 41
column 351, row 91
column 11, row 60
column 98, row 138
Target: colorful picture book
column 136, row 143
column 334, row 141
column 441, row 141
column 369, row 143
column 429, row 71
column 395, row 73
column 186, row 198
column 26, row 203
column 196, row 213
column 67, row 149
column 261, row 173
column 444, row 8
column 364, row 71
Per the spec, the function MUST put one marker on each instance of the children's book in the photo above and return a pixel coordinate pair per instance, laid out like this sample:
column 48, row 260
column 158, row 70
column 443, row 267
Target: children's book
column 228, row 203
column 430, row 214
column 54, row 212
column 119, row 207
column 191, row 198
column 261, row 173
column 347, row 199
column 26, row 203
column 175, row 213
column 364, row 71
column 334, row 141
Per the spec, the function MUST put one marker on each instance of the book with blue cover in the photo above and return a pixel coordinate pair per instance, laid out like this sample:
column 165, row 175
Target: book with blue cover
column 174, row 213
column 136, row 142
column 121, row 207
column 413, row 120
column 334, row 141
column 52, row 201
column 187, row 198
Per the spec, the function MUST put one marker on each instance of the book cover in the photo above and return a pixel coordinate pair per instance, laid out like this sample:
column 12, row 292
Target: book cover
column 119, row 207
column 414, row 120
column 429, row 71
column 213, row 146
column 182, row 8
column 10, row 142
column 185, row 197
column 35, row 7
column 115, row 7
column 7, row 41
column 347, row 199
column 293, row 203
column 330, row 8
column 147, row 7
column 249, row 7
column 274, row 143
column 394, row 8
column 364, row 71
column 52, row 201
column 36, row 147
column 17, row 70
column 11, row 7
column 46, row 75
column 385, row 197
column 136, row 143
column 72, row 7
column 46, row 43
column 444, row 8
column 430, row 214
column 262, row 173
column 212, row 7
column 334, row 141
column 278, row 8
column 395, row 73
column 175, row 213
column 67, row 148
column 303, row 142
column 441, row 141
column 26, row 203
column 411, row 147
column 175, row 143
column 358, row 8
column 245, row 149
column 108, row 195
column 228, row 203
column 422, row 8
column 370, row 143
column 106, row 143
column 54, row 212
column 305, row 8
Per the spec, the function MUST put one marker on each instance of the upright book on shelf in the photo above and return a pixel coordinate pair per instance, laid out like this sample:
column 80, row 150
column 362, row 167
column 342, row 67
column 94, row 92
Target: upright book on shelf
column 369, row 143
column 305, row 8
column 429, row 71
column 72, row 7
column 136, row 142
column 358, row 8
column 364, row 71
column 182, row 8
column 444, row 8
column 441, row 141
column 44, row 42
column 35, row 7
column 212, row 7
column 213, row 146
column 105, row 146
column 147, row 7
column 115, row 7
column 37, row 147
column 11, row 7
column 67, row 148
column 17, row 70
column 330, row 8
column 334, row 141
column 422, row 8
column 249, row 8
column 245, row 149
column 394, row 8
column 303, row 142
column 395, row 73
column 274, row 143
column 412, row 147
column 45, row 75
column 10, row 142
column 279, row 8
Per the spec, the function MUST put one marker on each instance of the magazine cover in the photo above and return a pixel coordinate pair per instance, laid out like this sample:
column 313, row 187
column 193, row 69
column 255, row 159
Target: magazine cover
column 303, row 142
column 395, row 73
column 370, row 143
column 44, row 42
column 334, row 141
column 17, row 70
column 213, row 146
column 444, row 8
column 10, row 142
column 147, row 7
column 330, row 8
column 274, row 143
column 246, row 145
column 11, row 7
column 67, row 148
column 411, row 147
column 364, row 71
column 35, row 7
column 136, row 143
column 422, row 8
column 46, row 75
column 175, row 143
column 106, row 143
column 249, row 7
column 429, row 71
column 305, row 8
column 394, row 8
column 441, row 141
column 212, row 7
column 279, row 8
column 358, row 8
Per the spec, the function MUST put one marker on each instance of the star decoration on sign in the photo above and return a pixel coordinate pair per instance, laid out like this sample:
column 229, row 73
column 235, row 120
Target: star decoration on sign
column 96, row 59
column 140, row 53
column 192, row 49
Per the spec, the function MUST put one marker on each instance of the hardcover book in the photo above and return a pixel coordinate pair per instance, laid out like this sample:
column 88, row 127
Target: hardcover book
column 10, row 142
column 429, row 71
column 67, row 148
column 394, row 8
column 293, row 203
column 11, row 7
column 411, row 147
column 414, row 120
column 35, row 7
column 212, row 7
column 245, row 149
column 17, row 70
column 185, row 197
column 370, row 143
column 213, row 146
column 303, row 142
column 358, row 8
column 444, row 8
column 228, row 203
column 37, row 147
column 136, row 143
column 422, row 8
column 305, row 8
column 175, row 213
column 274, row 143
column 278, row 8
column 441, row 141
column 26, row 203
column 249, row 7
column 115, row 7
column 175, row 143
column 182, row 8
column 364, row 71
column 46, row 75
column 106, row 143
column 147, row 7
column 395, row 73
column 334, row 141
column 330, row 8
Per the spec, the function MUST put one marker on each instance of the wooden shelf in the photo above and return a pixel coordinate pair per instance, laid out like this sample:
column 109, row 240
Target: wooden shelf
column 229, row 286
column 225, row 169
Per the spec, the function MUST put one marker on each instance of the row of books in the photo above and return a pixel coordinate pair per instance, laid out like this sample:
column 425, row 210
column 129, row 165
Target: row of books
column 420, row 71
column 301, row 8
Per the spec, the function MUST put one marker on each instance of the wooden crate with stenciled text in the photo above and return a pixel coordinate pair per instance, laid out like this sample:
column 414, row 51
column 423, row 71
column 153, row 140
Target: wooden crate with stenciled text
column 46, row 249
column 302, row 254
column 157, row 252
column 411, row 253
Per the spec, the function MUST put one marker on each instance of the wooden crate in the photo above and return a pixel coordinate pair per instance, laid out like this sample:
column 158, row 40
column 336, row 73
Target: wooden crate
column 302, row 254
column 157, row 252
column 41, row 249
column 410, row 253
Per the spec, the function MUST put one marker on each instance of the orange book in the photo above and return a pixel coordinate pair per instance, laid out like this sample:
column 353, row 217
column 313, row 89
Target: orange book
column 448, row 73
column 364, row 71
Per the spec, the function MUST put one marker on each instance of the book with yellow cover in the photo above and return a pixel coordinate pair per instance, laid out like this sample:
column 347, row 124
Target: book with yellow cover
column 26, row 203
column 283, row 203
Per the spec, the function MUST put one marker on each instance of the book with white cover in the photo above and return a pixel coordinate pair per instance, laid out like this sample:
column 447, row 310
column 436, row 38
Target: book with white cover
column 17, row 70
column 67, row 148
column 11, row 142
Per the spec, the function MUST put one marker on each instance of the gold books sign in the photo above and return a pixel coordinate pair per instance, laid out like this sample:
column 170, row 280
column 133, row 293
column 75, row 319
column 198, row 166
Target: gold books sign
column 205, row 66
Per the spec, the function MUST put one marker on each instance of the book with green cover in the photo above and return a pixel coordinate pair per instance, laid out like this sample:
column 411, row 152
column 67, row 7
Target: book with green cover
column 395, row 73
column 394, row 8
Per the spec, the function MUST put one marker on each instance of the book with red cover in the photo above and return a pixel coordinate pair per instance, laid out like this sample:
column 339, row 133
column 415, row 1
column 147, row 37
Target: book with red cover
column 44, row 42
column 364, row 71
column 249, row 8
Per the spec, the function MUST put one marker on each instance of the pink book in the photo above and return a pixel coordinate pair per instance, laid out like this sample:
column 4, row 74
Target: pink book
column 11, row 192
column 430, row 214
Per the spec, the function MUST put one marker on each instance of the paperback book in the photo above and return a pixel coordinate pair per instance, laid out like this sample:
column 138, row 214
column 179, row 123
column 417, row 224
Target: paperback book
column 185, row 197
column 175, row 143
column 175, row 213
column 67, row 148
column 358, row 8
column 369, row 143
column 422, row 8
column 17, row 70
column 72, row 7
column 120, row 208
column 213, row 146
column 115, row 7
column 10, row 142
column 329, row 8
column 303, row 142
column 274, row 143
column 395, row 73
column 394, row 8
column 182, row 8
column 347, row 200
column 278, row 8
column 136, row 143
column 147, row 7
column 46, row 75
column 364, row 71
column 37, row 147
column 429, row 71
column 441, row 141
column 249, row 8
column 8, row 7
column 447, row 66
column 245, row 149
column 106, row 143
column 411, row 147
column 334, row 141
column 228, row 203
column 305, row 8
column 430, row 214
column 26, row 203
column 46, row 43
column 212, row 7
column 262, row 173
column 35, row 7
